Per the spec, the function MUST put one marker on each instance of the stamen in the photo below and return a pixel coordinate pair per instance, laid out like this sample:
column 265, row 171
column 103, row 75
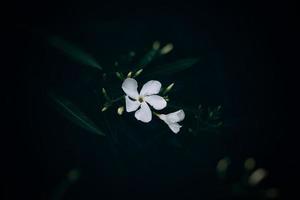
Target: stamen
column 141, row 99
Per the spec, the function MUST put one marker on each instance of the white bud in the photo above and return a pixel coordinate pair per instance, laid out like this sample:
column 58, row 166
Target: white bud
column 104, row 108
column 138, row 73
column 257, row 176
column 129, row 74
column 169, row 87
column 167, row 49
column 120, row 110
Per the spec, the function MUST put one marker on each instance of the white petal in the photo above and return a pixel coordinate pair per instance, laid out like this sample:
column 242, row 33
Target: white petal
column 151, row 87
column 163, row 117
column 129, row 86
column 144, row 113
column 157, row 102
column 175, row 116
column 175, row 127
column 131, row 105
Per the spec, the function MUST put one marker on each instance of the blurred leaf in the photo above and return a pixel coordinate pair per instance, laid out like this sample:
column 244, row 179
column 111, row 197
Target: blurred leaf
column 222, row 167
column 177, row 66
column 166, row 49
column 146, row 59
column 59, row 191
column 74, row 52
column 75, row 115
column 257, row 176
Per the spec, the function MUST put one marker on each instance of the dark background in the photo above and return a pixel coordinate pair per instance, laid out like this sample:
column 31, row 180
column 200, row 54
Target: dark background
column 245, row 49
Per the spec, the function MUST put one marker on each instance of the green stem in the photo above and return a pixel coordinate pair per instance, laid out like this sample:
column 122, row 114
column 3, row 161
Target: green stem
column 155, row 113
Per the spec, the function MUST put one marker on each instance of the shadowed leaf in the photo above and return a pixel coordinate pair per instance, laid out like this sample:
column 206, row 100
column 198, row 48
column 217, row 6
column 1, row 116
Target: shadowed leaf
column 75, row 115
column 148, row 58
column 177, row 66
column 74, row 52
column 60, row 190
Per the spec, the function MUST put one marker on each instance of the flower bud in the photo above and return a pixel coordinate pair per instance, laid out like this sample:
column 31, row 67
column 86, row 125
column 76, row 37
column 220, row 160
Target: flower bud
column 156, row 45
column 120, row 110
column 166, row 98
column 120, row 75
column 131, row 53
column 168, row 89
column 104, row 76
column 210, row 114
column 167, row 49
column 223, row 165
column 138, row 73
column 257, row 176
column 249, row 164
column 104, row 108
column 104, row 92
column 129, row 74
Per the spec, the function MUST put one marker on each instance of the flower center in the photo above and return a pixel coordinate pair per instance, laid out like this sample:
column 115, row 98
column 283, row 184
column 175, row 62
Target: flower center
column 141, row 99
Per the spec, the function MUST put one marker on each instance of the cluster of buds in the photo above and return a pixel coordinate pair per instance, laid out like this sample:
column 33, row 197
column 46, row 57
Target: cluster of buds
column 130, row 74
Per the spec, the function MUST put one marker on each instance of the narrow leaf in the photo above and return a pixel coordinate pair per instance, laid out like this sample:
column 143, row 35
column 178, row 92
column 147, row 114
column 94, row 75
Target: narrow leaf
column 177, row 66
column 75, row 115
column 148, row 58
column 74, row 52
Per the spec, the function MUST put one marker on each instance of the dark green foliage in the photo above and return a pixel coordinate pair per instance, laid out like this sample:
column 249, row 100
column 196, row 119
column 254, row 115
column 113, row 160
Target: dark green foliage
column 175, row 67
column 74, row 52
column 71, row 111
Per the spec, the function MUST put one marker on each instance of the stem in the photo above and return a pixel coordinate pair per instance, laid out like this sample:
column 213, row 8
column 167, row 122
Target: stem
column 155, row 113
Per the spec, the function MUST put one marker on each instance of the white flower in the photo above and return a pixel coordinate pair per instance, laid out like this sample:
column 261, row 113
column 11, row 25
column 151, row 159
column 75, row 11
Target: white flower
column 134, row 100
column 172, row 118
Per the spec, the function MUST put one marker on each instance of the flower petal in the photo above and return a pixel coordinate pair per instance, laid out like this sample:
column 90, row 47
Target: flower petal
column 175, row 127
column 144, row 113
column 175, row 116
column 163, row 117
column 157, row 102
column 151, row 87
column 131, row 105
column 129, row 86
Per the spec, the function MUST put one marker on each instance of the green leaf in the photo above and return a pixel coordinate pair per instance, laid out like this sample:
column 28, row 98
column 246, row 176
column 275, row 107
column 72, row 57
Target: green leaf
column 177, row 66
column 147, row 58
column 74, row 52
column 75, row 115
column 65, row 184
